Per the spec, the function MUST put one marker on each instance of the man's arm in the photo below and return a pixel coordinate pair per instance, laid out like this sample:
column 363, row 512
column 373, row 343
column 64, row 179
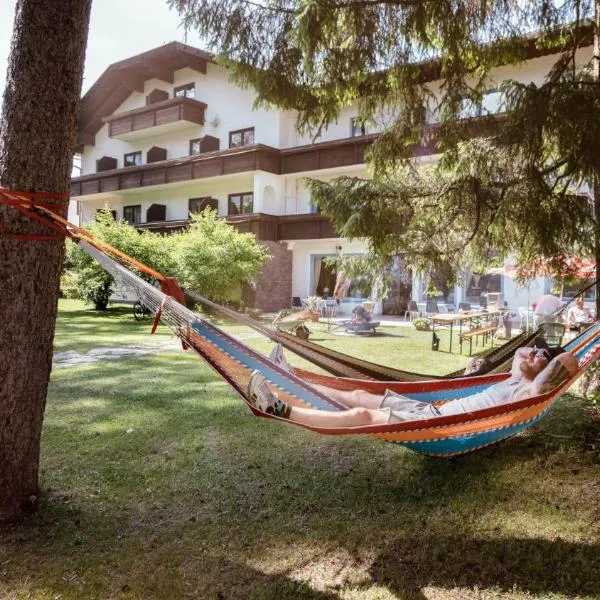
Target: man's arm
column 558, row 370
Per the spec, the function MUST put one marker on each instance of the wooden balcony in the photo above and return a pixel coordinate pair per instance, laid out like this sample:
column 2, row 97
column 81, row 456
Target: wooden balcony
column 211, row 164
column 326, row 155
column 272, row 228
column 158, row 118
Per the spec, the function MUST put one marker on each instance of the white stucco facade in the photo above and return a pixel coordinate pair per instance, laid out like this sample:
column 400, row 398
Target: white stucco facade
column 274, row 192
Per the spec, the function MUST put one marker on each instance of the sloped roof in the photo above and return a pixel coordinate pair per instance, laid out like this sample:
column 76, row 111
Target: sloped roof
column 122, row 78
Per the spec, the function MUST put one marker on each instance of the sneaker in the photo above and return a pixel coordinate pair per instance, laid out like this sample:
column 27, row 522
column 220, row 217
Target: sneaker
column 262, row 397
column 279, row 359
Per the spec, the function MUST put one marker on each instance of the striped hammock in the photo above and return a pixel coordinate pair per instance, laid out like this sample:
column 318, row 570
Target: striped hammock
column 441, row 436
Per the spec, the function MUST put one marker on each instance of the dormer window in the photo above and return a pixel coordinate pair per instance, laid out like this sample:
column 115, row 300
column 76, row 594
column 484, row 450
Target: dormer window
column 132, row 159
column 357, row 127
column 185, row 91
column 241, row 137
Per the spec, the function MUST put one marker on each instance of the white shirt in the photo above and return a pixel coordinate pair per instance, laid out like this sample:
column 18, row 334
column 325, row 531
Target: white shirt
column 497, row 394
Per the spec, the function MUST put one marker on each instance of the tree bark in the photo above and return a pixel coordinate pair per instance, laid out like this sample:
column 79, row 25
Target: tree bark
column 596, row 183
column 37, row 139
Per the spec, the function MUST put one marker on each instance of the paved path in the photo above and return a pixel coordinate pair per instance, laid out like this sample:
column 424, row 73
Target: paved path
column 72, row 358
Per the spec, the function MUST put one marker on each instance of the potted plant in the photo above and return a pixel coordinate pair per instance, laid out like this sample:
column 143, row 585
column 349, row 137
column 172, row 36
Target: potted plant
column 422, row 324
column 313, row 306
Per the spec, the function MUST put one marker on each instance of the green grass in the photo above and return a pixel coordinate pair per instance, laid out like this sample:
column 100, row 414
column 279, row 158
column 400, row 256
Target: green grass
column 158, row 483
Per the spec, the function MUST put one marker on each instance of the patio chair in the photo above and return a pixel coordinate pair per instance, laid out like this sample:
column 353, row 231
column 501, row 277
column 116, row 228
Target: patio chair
column 464, row 306
column 526, row 317
column 412, row 311
column 431, row 308
column 553, row 333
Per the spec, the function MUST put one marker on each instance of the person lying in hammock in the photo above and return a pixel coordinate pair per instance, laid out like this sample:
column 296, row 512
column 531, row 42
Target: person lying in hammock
column 534, row 371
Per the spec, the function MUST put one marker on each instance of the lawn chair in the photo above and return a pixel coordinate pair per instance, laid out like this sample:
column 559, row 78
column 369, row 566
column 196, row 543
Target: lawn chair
column 553, row 333
column 412, row 311
column 431, row 308
column 527, row 317
column 464, row 306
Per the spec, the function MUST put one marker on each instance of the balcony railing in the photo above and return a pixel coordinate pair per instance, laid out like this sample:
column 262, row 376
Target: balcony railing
column 273, row 228
column 211, row 164
column 161, row 117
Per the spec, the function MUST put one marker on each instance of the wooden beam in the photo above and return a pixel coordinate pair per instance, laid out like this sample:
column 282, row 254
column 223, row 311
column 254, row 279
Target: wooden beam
column 165, row 75
column 197, row 63
column 135, row 84
column 86, row 138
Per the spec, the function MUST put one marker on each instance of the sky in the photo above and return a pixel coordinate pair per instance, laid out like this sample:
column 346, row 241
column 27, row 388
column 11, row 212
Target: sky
column 119, row 29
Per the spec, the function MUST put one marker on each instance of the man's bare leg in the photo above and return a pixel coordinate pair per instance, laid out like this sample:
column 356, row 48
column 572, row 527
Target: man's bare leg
column 346, row 418
column 353, row 399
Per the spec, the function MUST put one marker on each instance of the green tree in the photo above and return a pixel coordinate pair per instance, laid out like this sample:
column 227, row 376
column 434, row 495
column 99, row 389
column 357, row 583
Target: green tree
column 412, row 67
column 214, row 259
column 209, row 257
column 94, row 284
column 38, row 131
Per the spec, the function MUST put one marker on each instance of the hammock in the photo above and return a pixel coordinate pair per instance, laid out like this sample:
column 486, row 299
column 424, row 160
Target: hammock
column 441, row 436
column 344, row 365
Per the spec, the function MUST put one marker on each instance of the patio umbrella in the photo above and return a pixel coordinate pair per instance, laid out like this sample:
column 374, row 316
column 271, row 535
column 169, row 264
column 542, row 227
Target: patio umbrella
column 568, row 266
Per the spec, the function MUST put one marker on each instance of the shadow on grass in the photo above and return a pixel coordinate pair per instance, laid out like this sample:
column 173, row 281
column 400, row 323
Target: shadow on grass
column 202, row 500
column 536, row 566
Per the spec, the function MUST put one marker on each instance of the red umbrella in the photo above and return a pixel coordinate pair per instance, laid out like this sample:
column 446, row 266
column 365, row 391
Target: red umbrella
column 571, row 266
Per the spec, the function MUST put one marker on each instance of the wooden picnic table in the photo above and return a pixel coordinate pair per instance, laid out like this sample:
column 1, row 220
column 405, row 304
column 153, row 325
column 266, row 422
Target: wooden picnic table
column 447, row 320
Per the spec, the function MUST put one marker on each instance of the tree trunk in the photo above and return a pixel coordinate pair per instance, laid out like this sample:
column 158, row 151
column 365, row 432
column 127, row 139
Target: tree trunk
column 596, row 71
column 37, row 139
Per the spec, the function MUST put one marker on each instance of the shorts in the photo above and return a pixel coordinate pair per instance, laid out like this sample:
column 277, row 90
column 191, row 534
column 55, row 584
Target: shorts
column 400, row 408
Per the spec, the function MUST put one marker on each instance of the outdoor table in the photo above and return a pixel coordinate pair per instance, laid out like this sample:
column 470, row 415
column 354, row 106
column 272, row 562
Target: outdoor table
column 466, row 318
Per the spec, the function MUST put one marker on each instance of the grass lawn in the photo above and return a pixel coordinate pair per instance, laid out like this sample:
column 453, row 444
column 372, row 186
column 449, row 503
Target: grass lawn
column 158, row 483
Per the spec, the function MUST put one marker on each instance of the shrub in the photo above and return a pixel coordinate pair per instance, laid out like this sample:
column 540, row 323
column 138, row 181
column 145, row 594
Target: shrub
column 422, row 324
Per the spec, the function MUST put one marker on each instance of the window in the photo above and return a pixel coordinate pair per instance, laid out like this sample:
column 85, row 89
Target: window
column 195, row 146
column 133, row 214
column 490, row 103
column 357, row 127
column 240, row 204
column 572, row 289
column 480, row 285
column 197, row 205
column 185, row 91
column 241, row 137
column 207, row 143
column 133, row 159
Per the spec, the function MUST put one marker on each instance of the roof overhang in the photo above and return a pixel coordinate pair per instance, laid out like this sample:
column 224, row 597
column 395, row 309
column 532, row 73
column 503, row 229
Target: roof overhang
column 122, row 78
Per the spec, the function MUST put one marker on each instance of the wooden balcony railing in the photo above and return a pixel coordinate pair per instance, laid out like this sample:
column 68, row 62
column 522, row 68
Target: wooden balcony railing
column 273, row 228
column 172, row 114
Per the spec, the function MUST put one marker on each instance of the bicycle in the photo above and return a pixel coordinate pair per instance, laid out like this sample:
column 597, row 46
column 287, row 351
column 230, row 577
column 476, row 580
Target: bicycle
column 140, row 312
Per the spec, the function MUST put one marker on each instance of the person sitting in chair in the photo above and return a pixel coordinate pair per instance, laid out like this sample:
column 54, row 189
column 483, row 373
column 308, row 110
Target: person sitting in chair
column 534, row 371
column 579, row 315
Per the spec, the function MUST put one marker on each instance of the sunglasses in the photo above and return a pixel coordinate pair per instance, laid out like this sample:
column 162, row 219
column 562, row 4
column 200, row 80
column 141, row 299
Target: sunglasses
column 542, row 353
